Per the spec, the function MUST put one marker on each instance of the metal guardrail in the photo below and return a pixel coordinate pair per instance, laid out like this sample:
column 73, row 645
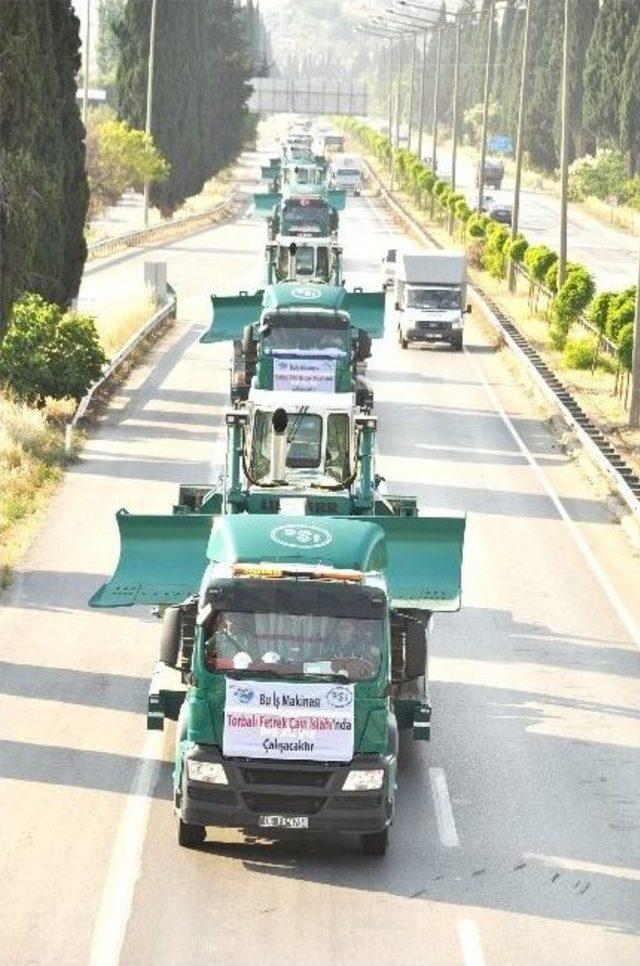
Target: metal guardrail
column 166, row 312
column 142, row 236
column 613, row 464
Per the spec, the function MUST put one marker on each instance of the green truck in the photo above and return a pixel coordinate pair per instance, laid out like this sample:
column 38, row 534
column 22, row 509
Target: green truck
column 294, row 642
column 298, row 328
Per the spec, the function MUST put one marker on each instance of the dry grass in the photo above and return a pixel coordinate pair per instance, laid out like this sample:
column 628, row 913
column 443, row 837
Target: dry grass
column 116, row 323
column 32, row 459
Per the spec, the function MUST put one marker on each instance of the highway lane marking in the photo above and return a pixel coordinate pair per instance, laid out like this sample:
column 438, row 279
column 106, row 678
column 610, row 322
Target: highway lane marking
column 126, row 859
column 470, row 943
column 442, row 805
column 609, row 590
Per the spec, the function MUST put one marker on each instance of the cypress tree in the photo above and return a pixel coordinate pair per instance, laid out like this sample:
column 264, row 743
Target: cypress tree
column 43, row 189
column 202, row 64
column 630, row 103
column 603, row 74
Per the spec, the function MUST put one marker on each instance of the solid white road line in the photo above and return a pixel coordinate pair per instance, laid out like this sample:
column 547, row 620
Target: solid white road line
column 610, row 592
column 442, row 805
column 470, row 943
column 124, row 867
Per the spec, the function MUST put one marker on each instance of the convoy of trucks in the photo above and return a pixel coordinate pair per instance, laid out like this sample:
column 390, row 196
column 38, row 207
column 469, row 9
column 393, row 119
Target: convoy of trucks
column 296, row 594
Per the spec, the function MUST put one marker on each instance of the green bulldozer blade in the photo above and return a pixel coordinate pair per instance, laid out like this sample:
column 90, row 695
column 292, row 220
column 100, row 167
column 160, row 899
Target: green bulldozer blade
column 162, row 559
column 337, row 198
column 366, row 310
column 230, row 315
column 266, row 201
column 424, row 560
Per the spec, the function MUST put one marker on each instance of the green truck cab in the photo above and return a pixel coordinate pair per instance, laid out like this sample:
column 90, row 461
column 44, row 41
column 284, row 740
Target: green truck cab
column 294, row 647
column 298, row 326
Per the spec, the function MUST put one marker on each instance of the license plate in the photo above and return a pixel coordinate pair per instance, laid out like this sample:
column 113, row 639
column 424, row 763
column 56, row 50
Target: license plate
column 283, row 821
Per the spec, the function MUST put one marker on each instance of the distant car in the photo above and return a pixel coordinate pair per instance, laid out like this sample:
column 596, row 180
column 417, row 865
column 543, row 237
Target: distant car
column 486, row 203
column 501, row 213
column 389, row 267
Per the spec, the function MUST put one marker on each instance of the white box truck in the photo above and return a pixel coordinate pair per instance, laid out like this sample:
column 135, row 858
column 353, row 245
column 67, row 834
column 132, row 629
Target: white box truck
column 430, row 297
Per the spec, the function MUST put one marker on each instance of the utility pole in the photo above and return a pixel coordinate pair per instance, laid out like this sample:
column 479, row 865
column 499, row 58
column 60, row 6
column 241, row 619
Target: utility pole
column 634, row 408
column 564, row 154
column 485, row 106
column 413, row 71
column 87, row 38
column 520, row 139
column 422, row 86
column 147, row 126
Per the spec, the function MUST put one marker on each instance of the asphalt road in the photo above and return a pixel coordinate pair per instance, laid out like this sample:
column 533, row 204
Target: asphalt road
column 517, row 837
column 611, row 254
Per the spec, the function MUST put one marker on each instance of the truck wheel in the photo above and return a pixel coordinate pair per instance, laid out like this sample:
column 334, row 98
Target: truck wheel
column 456, row 344
column 170, row 639
column 403, row 342
column 190, row 836
column 375, row 843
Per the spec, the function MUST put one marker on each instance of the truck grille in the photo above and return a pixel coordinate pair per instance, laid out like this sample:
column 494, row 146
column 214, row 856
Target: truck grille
column 296, row 777
column 284, row 804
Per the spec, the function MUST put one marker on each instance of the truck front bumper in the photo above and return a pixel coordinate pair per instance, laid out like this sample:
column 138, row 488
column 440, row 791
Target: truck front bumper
column 287, row 788
column 433, row 332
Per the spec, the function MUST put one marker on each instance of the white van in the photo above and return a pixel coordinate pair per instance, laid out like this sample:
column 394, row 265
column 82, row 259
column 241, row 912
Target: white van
column 430, row 293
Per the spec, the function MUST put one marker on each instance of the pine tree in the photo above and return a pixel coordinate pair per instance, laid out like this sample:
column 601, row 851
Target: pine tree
column 603, row 74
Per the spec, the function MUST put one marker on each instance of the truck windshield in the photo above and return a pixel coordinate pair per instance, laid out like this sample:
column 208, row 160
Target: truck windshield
column 289, row 645
column 307, row 339
column 433, row 298
column 348, row 173
column 304, row 438
column 305, row 217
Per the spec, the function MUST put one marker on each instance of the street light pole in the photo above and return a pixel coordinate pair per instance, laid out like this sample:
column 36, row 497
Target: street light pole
column 422, row 86
column 485, row 106
column 413, row 71
column 456, row 110
column 520, row 140
column 390, row 89
column 564, row 153
column 147, row 126
column 87, row 37
column 436, row 99
column 634, row 408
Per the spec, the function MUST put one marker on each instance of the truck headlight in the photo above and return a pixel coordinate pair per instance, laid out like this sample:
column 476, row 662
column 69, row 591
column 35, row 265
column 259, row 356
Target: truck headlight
column 364, row 780
column 458, row 324
column 206, row 771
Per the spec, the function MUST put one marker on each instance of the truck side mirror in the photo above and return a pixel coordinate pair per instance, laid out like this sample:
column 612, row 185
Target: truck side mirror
column 398, row 308
column 415, row 661
column 468, row 309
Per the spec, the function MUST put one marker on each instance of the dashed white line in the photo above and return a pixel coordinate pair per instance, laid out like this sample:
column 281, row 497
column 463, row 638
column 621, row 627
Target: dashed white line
column 470, row 943
column 609, row 590
column 442, row 805
column 126, row 858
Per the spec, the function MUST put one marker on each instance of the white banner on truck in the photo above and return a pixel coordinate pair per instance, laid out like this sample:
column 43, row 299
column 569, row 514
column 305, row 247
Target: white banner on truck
column 304, row 374
column 290, row 721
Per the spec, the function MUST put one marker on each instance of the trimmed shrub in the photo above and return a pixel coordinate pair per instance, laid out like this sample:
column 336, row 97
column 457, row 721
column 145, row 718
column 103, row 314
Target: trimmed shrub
column 538, row 259
column 580, row 354
column 598, row 310
column 518, row 248
column 49, row 353
column 621, row 312
column 625, row 346
column 496, row 250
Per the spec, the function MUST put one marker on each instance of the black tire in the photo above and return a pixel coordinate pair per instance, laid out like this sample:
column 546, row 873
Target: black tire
column 456, row 344
column 375, row 843
column 403, row 343
column 190, row 836
column 170, row 639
